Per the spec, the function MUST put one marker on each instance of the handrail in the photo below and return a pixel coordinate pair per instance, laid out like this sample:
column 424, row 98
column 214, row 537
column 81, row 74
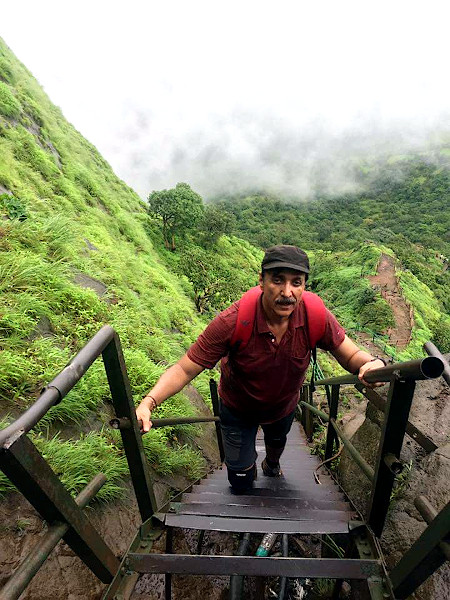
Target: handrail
column 55, row 391
column 429, row 367
column 431, row 349
column 402, row 378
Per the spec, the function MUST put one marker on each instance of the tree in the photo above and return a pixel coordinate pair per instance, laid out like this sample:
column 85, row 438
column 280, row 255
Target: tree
column 179, row 209
column 212, row 280
column 216, row 222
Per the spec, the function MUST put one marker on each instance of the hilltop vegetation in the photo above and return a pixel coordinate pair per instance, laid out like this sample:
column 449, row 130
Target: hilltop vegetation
column 404, row 206
column 404, row 209
column 77, row 251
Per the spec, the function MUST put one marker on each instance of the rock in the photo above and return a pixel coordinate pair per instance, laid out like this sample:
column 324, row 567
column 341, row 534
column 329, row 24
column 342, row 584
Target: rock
column 429, row 476
column 85, row 281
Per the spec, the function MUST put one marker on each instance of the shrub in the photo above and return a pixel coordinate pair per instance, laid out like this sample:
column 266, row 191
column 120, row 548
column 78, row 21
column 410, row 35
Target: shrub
column 14, row 207
column 5, row 71
column 9, row 106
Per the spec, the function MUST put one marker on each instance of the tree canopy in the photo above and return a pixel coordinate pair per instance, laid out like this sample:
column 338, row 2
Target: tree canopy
column 178, row 209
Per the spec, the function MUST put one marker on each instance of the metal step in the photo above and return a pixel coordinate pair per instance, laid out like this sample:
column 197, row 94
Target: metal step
column 332, row 568
column 257, row 525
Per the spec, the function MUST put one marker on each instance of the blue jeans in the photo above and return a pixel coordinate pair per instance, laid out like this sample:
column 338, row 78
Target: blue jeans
column 239, row 436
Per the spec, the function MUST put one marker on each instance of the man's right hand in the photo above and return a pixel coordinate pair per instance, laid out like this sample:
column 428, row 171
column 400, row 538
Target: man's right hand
column 144, row 414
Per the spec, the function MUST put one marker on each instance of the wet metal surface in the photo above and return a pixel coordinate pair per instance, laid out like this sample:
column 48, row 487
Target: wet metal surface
column 293, row 503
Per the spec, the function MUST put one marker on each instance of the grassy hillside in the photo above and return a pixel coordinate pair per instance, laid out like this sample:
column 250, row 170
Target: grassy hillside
column 78, row 249
column 76, row 252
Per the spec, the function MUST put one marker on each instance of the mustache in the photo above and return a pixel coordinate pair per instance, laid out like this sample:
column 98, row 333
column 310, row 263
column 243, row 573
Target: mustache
column 286, row 301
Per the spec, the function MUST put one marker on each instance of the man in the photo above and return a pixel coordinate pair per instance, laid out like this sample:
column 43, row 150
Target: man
column 259, row 383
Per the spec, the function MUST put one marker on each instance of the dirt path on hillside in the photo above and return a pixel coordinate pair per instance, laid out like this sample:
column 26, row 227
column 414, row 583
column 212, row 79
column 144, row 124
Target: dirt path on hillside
column 387, row 283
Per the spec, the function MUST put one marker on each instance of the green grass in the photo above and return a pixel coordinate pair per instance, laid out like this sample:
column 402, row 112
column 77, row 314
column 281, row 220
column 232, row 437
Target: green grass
column 67, row 214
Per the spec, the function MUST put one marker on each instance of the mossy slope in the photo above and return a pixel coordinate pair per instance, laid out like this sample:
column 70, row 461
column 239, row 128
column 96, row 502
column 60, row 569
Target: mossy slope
column 75, row 254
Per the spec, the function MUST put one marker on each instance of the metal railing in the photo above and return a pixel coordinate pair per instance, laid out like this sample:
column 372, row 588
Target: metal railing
column 31, row 474
column 431, row 549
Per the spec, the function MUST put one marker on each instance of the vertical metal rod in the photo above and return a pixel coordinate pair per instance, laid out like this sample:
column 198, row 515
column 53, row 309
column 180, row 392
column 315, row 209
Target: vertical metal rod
column 395, row 421
column 28, row 568
column 237, row 581
column 284, row 580
column 423, row 558
column 168, row 576
column 119, row 385
column 331, row 434
column 216, row 410
column 309, row 417
column 303, row 410
column 33, row 477
column 201, row 537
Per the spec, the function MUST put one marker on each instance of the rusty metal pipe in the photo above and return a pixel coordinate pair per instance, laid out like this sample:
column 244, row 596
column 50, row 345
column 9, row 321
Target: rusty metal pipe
column 429, row 367
column 237, row 581
column 315, row 410
column 59, row 387
column 428, row 513
column 362, row 464
column 393, row 463
column 285, row 552
column 36, row 558
column 124, row 422
column 432, row 350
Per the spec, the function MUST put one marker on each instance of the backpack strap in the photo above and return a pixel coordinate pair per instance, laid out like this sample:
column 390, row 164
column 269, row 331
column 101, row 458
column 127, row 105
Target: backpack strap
column 315, row 313
column 245, row 318
column 316, row 316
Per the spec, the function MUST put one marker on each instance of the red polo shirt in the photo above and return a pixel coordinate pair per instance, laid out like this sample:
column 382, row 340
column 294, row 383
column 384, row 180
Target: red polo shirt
column 264, row 378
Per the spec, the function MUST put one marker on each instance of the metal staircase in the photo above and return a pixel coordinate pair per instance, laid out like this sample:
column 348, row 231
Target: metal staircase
column 295, row 503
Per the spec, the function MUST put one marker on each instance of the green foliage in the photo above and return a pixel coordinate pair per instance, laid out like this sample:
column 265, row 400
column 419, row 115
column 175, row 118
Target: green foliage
column 6, row 73
column 441, row 335
column 76, row 462
column 215, row 223
column 168, row 461
column 404, row 206
column 401, row 481
column 210, row 278
column 84, row 225
column 341, row 280
column 9, row 106
column 28, row 151
column 13, row 206
column 179, row 209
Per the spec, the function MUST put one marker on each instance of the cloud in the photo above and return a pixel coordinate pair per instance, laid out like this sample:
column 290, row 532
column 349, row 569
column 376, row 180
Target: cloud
column 236, row 96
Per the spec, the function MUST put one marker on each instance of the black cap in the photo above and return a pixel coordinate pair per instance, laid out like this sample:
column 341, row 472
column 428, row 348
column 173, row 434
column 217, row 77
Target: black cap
column 285, row 257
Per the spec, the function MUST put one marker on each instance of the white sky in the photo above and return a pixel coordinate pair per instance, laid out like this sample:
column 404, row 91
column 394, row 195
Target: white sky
column 239, row 94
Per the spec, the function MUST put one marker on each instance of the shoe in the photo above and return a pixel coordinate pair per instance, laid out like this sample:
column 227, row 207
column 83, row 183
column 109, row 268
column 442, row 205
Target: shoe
column 271, row 471
column 242, row 481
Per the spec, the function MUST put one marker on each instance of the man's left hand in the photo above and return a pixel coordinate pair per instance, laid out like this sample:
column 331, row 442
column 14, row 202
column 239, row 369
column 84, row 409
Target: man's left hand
column 370, row 366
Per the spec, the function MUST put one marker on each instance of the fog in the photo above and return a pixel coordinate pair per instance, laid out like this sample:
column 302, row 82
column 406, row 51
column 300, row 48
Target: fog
column 234, row 97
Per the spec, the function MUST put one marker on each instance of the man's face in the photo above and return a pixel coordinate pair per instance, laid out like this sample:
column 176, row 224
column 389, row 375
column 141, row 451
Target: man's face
column 282, row 290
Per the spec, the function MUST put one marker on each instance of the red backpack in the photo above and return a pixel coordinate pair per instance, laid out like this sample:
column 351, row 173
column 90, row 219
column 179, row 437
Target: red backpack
column 315, row 313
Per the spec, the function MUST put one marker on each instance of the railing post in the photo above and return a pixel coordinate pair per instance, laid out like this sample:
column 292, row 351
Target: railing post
column 331, row 434
column 122, row 398
column 216, row 410
column 309, row 417
column 423, row 558
column 303, row 409
column 396, row 414
column 33, row 477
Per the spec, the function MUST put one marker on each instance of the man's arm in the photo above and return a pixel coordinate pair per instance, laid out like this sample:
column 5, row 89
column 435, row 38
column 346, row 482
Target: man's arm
column 353, row 359
column 170, row 383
